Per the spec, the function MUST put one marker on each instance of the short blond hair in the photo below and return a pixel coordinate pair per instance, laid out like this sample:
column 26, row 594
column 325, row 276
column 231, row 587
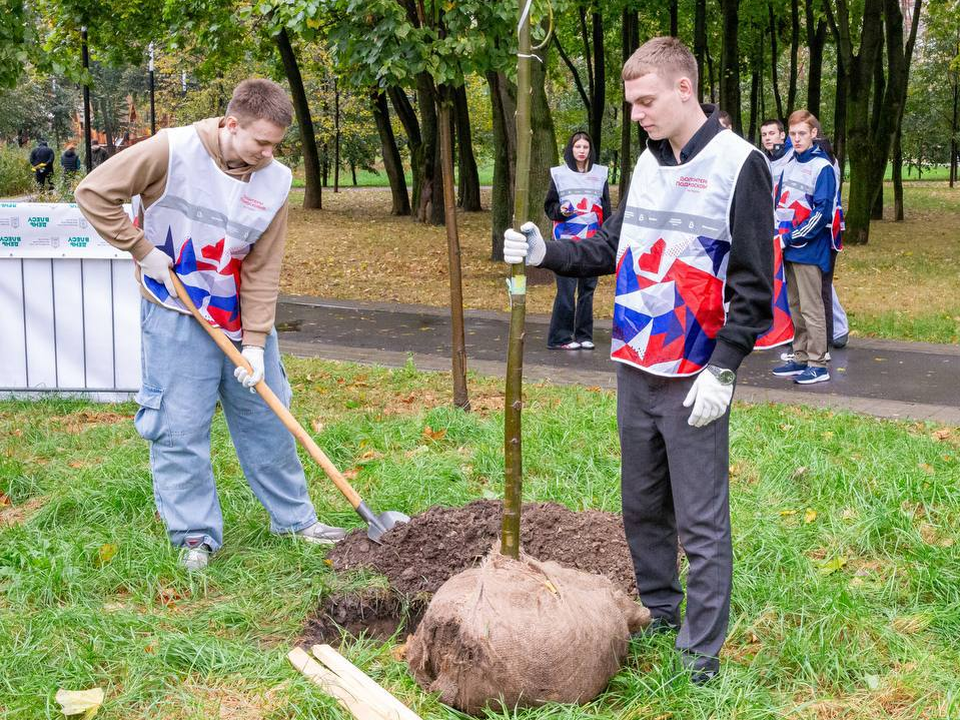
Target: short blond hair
column 666, row 56
column 260, row 99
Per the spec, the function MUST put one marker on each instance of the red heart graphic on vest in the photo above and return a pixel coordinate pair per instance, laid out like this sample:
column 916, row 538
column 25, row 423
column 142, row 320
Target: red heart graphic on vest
column 650, row 262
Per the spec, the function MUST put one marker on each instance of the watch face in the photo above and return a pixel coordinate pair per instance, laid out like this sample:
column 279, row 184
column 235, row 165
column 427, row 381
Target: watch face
column 725, row 376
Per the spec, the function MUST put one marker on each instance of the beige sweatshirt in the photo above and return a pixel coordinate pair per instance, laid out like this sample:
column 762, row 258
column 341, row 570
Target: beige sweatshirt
column 142, row 170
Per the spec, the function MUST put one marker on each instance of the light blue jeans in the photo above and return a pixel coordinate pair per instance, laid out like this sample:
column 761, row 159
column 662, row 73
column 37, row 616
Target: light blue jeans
column 184, row 374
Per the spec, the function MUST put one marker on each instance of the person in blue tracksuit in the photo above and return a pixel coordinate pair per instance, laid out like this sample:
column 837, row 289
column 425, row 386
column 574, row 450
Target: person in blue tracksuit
column 806, row 200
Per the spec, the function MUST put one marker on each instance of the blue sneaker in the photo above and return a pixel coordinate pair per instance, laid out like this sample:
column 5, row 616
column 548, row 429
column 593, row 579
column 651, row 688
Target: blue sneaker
column 790, row 369
column 812, row 375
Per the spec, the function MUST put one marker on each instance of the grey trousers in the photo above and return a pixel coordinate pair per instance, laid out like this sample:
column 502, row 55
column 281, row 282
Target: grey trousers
column 675, row 481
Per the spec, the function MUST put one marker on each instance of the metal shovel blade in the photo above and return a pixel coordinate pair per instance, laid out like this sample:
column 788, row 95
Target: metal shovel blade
column 377, row 525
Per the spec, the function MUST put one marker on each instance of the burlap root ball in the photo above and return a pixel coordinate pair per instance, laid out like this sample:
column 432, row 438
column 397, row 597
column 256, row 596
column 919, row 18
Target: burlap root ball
column 522, row 633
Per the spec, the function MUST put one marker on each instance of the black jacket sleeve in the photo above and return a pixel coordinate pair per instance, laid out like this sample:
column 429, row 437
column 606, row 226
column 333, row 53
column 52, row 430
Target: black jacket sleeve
column 586, row 258
column 749, row 287
column 551, row 206
column 605, row 201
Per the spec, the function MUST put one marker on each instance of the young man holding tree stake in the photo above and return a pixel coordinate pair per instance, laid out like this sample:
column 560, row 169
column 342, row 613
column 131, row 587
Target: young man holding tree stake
column 691, row 249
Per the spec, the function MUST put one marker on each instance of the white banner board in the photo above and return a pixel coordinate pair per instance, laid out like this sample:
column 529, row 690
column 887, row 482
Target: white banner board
column 69, row 306
column 51, row 230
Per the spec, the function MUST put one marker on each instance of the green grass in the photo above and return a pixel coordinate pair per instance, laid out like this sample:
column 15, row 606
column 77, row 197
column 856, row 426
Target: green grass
column 875, row 638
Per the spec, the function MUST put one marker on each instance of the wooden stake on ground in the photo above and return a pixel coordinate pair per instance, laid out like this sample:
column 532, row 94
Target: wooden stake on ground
column 354, row 698
column 346, row 669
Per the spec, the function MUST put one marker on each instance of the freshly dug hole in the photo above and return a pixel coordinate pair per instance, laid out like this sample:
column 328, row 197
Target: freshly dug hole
column 521, row 633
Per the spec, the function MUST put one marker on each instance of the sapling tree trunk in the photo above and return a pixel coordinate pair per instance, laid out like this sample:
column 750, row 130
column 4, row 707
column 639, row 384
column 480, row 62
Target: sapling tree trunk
column 512, row 455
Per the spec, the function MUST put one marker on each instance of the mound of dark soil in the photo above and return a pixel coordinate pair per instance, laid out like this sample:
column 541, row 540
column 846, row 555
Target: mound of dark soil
column 419, row 556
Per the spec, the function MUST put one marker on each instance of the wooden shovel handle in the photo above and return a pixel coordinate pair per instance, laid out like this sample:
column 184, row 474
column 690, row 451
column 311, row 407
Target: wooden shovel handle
column 286, row 417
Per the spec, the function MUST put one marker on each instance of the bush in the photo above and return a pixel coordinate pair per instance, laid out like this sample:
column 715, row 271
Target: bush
column 16, row 177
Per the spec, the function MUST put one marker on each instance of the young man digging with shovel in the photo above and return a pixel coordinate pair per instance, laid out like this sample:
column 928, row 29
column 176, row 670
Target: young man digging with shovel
column 215, row 210
column 691, row 249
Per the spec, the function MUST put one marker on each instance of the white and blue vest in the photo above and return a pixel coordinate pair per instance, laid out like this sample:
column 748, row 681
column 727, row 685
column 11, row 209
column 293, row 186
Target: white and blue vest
column 672, row 259
column 585, row 192
column 797, row 185
column 207, row 221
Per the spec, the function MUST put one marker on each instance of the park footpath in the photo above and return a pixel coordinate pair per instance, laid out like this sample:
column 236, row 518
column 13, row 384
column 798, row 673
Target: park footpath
column 884, row 378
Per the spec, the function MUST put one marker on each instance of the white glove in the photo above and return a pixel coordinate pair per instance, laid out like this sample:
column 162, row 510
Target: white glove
column 526, row 245
column 253, row 355
column 156, row 265
column 709, row 397
column 567, row 208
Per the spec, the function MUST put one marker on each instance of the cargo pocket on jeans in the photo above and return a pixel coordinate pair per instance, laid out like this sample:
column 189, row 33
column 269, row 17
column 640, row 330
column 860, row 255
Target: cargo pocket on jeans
column 286, row 391
column 149, row 418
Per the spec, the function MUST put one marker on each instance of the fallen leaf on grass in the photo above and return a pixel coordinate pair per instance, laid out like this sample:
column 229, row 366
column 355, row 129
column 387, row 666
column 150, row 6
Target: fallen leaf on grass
column 942, row 434
column 80, row 702
column 430, row 434
column 399, row 652
column 76, row 464
column 927, row 468
column 371, row 455
column 799, row 472
column 317, row 426
column 829, row 567
column 809, row 515
column 106, row 553
column 787, row 513
column 351, row 474
column 4, row 500
column 872, row 681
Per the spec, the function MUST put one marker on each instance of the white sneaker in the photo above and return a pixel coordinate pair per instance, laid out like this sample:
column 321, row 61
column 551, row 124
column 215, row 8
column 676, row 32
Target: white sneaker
column 788, row 356
column 196, row 558
column 587, row 345
column 322, row 534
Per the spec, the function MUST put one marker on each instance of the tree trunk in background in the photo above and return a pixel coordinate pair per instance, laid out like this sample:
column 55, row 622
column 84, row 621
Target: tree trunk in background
column 336, row 136
column 469, row 180
column 543, row 156
column 699, row 44
column 754, row 107
column 312, row 195
column 391, row 155
column 599, row 99
column 774, row 56
column 430, row 208
column 730, row 62
column 503, row 105
column 629, row 41
column 411, row 126
column 898, row 176
column 840, row 122
column 955, row 124
column 816, row 38
column 794, row 56
column 869, row 144
column 879, row 85
column 458, row 345
column 674, row 19
column 713, row 83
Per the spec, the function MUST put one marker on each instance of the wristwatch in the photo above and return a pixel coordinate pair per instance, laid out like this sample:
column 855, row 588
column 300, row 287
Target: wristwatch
column 726, row 377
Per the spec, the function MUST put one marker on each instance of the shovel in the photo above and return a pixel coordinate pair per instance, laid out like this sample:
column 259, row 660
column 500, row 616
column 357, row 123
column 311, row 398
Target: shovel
column 377, row 525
